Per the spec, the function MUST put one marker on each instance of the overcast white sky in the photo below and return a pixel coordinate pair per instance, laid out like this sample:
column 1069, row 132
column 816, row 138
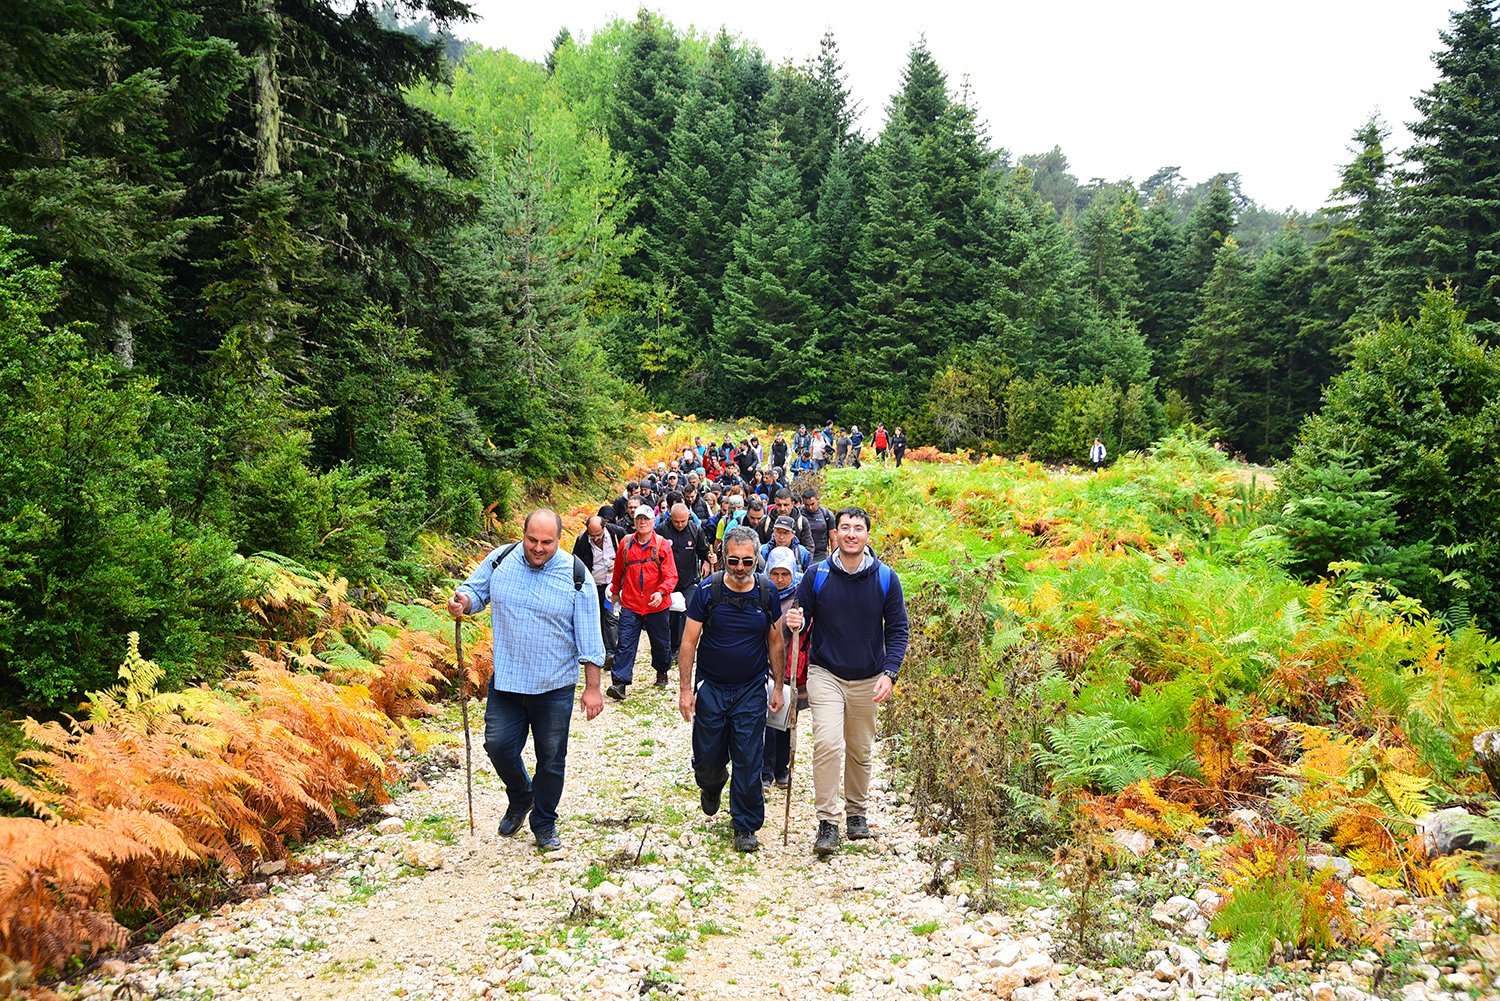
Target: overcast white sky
column 1273, row 89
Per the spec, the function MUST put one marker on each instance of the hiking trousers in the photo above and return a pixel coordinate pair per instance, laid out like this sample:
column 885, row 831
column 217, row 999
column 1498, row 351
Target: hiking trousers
column 843, row 720
column 657, row 626
column 729, row 727
column 508, row 716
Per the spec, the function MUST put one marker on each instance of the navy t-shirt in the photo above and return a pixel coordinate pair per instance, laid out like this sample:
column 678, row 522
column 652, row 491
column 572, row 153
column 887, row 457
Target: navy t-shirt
column 732, row 650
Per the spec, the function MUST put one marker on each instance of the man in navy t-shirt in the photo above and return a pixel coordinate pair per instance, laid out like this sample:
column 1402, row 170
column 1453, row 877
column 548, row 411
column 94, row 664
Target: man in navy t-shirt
column 734, row 642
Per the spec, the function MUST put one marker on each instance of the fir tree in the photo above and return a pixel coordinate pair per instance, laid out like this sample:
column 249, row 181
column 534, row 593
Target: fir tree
column 766, row 335
column 1356, row 219
column 649, row 86
column 1447, row 225
column 1214, row 358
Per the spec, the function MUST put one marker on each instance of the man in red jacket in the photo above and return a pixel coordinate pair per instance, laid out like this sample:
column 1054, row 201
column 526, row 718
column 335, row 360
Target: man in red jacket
column 645, row 577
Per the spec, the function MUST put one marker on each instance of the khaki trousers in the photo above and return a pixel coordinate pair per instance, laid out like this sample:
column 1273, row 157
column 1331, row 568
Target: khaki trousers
column 843, row 719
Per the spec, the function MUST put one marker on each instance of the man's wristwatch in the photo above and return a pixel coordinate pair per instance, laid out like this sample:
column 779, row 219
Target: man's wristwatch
column 892, row 676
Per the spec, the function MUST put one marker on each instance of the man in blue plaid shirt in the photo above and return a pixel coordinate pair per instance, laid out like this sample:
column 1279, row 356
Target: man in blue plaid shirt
column 544, row 626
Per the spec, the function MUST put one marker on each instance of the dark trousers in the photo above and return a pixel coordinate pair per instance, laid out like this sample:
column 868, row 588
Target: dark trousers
column 508, row 717
column 899, row 454
column 729, row 726
column 778, row 756
column 678, row 620
column 609, row 621
column 658, row 628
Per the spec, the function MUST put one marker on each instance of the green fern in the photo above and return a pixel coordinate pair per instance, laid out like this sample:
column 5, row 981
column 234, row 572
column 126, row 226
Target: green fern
column 1097, row 752
column 1254, row 918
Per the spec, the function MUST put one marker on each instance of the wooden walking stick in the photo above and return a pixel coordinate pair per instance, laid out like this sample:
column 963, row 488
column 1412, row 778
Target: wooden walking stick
column 463, row 674
column 791, row 754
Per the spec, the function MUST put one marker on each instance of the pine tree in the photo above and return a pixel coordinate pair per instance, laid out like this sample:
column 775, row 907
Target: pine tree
column 1356, row 220
column 894, row 333
column 1031, row 306
column 1447, row 224
column 837, row 232
column 1214, row 359
column 766, row 336
column 649, row 87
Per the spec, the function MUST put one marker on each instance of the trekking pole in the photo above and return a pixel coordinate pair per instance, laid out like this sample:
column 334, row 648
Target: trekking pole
column 791, row 754
column 458, row 648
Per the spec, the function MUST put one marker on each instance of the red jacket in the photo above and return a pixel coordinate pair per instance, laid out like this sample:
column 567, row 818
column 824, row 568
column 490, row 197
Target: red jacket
column 880, row 438
column 643, row 570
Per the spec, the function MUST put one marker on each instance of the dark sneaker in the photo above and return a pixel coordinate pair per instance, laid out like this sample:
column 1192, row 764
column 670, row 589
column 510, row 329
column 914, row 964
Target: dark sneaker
column 513, row 819
column 783, row 780
column 616, row 691
column 828, row 838
column 857, row 828
column 709, row 797
column 548, row 842
column 661, row 679
column 746, row 841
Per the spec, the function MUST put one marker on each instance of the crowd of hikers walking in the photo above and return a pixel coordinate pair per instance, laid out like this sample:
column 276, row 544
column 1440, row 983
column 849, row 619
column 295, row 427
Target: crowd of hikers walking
column 769, row 603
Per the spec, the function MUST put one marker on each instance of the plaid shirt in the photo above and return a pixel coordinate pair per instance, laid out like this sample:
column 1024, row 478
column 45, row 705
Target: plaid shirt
column 543, row 629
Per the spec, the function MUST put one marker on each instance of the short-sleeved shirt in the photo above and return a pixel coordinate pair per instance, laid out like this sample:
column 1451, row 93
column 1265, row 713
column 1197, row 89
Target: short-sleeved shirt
column 732, row 650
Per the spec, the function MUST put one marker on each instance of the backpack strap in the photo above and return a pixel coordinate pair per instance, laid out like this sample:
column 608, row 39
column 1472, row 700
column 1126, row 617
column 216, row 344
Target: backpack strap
column 580, row 572
column 822, row 570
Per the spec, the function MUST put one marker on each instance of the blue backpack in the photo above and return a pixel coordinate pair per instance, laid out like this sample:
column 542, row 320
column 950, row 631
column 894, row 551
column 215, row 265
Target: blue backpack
column 822, row 570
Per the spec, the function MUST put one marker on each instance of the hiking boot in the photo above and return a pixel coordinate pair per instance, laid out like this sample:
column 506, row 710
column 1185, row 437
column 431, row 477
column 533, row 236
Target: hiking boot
column 709, row 797
column 548, row 842
column 746, row 841
column 857, row 828
column 616, row 691
column 513, row 819
column 828, row 838
column 783, row 780
column 661, row 679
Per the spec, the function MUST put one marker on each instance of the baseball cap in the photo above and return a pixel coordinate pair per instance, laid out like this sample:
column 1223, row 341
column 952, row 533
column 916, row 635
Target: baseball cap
column 644, row 511
column 786, row 523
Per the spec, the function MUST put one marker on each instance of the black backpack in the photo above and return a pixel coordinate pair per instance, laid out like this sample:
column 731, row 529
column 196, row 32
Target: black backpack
column 580, row 572
column 768, row 602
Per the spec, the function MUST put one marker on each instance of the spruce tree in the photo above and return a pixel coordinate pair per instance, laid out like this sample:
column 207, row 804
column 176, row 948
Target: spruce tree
column 1214, row 359
column 1447, row 224
column 837, row 232
column 1291, row 355
column 1357, row 218
column 895, row 335
column 766, row 335
column 649, row 86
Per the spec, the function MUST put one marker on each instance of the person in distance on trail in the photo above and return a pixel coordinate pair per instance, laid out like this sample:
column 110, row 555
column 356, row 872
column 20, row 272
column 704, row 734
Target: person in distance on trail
column 596, row 547
column 801, row 441
column 645, row 577
column 768, row 485
column 545, row 623
column 1097, row 454
column 694, row 499
column 781, row 567
column 841, row 457
column 691, row 550
column 732, row 622
column 632, row 489
column 855, row 648
column 818, row 451
column 856, row 445
column 779, row 451
column 881, row 442
column 898, row 446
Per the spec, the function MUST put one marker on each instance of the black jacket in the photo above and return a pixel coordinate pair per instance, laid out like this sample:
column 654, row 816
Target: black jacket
column 689, row 548
column 584, row 550
column 778, row 453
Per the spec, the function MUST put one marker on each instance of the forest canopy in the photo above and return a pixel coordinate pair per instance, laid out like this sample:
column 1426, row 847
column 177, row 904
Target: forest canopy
column 319, row 279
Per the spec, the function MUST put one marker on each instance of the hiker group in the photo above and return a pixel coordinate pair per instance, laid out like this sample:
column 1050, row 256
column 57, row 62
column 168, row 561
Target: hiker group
column 768, row 601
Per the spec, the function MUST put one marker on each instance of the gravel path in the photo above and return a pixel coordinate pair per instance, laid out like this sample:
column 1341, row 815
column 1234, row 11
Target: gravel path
column 649, row 898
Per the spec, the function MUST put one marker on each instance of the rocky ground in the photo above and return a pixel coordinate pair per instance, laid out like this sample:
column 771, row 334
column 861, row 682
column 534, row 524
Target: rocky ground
column 648, row 897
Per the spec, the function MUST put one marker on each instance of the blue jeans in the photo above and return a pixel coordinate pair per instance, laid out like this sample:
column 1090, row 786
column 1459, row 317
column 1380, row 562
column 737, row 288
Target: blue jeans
column 729, row 725
column 658, row 627
column 507, row 718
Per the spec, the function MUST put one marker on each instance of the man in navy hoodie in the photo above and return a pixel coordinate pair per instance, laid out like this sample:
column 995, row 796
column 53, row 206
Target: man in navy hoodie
column 855, row 648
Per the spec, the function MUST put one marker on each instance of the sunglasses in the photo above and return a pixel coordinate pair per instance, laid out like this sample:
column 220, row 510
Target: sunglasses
column 739, row 561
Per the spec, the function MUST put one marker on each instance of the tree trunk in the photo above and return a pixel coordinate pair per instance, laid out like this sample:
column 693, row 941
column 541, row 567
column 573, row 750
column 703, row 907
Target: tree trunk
column 266, row 86
column 124, row 339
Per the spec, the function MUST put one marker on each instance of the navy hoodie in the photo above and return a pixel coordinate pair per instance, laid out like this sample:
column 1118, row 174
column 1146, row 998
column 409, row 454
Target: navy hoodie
column 855, row 633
